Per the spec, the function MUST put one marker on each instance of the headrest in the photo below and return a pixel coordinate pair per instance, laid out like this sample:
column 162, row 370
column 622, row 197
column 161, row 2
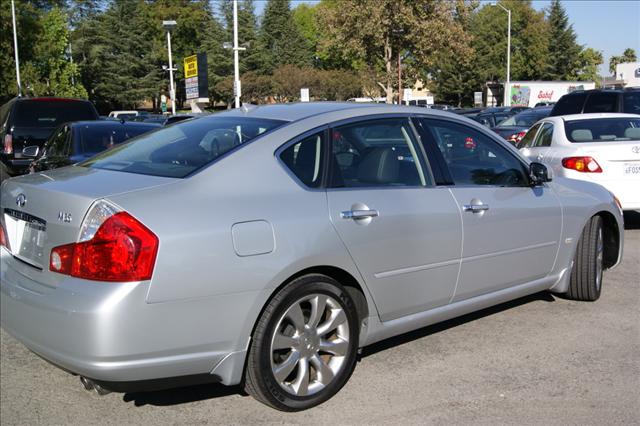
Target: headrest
column 380, row 166
column 581, row 135
column 632, row 133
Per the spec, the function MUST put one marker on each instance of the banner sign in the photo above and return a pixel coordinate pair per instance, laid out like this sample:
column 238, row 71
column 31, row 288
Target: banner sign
column 196, row 83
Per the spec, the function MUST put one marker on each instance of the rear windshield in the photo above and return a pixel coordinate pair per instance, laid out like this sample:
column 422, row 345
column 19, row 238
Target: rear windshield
column 180, row 149
column 569, row 104
column 95, row 139
column 603, row 130
column 51, row 113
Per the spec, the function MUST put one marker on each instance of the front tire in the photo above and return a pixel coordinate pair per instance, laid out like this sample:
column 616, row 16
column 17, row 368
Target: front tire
column 304, row 345
column 586, row 275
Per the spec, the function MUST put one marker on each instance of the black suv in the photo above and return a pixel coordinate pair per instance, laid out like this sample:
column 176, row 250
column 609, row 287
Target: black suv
column 598, row 100
column 28, row 122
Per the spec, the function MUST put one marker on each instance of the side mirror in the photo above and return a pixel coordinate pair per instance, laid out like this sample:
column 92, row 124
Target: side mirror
column 538, row 174
column 30, row 151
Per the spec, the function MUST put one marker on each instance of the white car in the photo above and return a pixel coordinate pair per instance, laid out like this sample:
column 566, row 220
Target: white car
column 602, row 148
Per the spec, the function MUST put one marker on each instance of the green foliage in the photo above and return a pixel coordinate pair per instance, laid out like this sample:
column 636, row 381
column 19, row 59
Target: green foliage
column 590, row 59
column 564, row 52
column 376, row 33
column 280, row 40
column 629, row 55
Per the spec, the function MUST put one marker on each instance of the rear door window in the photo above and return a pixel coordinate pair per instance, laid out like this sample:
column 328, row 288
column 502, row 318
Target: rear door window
column 38, row 113
column 528, row 139
column 545, row 136
column 602, row 102
column 376, row 153
column 569, row 104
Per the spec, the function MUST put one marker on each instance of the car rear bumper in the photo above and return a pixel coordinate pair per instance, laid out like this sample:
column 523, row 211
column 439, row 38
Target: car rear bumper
column 107, row 332
column 16, row 166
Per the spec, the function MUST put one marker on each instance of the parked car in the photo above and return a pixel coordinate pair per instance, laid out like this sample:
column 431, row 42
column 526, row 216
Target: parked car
column 75, row 142
column 28, row 123
column 469, row 112
column 265, row 245
column 127, row 115
column 514, row 128
column 598, row 100
column 512, row 110
column 601, row 148
column 544, row 104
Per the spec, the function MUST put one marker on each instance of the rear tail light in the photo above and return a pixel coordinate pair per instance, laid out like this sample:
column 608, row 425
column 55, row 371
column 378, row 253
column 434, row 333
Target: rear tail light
column 582, row 164
column 8, row 144
column 4, row 240
column 113, row 246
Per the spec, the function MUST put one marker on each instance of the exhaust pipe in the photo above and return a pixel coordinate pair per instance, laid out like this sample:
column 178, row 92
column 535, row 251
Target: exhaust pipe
column 89, row 384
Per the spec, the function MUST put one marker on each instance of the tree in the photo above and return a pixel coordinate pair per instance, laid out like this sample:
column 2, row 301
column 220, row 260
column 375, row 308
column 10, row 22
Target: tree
column 121, row 61
column 629, row 55
column 454, row 78
column 564, row 51
column 58, row 76
column 376, row 33
column 590, row 59
column 280, row 40
column 529, row 42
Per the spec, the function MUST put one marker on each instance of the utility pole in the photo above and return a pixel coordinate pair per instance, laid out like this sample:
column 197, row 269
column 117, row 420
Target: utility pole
column 507, row 86
column 236, row 66
column 399, row 79
column 15, row 47
column 170, row 25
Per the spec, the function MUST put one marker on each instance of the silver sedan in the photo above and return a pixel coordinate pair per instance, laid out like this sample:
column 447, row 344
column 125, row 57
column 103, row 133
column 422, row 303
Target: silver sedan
column 265, row 245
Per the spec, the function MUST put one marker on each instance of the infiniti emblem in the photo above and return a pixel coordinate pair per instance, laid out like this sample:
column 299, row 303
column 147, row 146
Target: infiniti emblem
column 21, row 200
column 636, row 149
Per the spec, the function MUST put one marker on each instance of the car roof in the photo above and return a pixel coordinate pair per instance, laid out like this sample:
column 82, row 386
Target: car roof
column 592, row 115
column 298, row 111
column 49, row 99
column 626, row 89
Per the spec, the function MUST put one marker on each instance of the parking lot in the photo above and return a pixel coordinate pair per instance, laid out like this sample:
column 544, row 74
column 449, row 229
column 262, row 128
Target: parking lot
column 537, row 360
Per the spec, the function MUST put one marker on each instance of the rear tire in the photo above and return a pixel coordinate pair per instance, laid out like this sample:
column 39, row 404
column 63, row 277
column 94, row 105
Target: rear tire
column 586, row 275
column 304, row 346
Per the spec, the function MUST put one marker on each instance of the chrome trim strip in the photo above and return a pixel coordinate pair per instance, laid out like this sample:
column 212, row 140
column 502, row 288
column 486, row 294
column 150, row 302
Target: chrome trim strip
column 394, row 272
column 410, row 269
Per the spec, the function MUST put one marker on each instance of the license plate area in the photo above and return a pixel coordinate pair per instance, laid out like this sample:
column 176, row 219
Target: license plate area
column 27, row 235
column 631, row 168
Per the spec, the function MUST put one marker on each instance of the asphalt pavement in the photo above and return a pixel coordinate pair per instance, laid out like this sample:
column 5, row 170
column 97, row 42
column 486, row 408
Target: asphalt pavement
column 539, row 360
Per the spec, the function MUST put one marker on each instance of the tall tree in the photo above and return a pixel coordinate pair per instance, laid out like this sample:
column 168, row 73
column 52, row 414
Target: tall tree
column 376, row 33
column 529, row 42
column 58, row 75
column 280, row 39
column 454, row 78
column 564, row 51
column 629, row 55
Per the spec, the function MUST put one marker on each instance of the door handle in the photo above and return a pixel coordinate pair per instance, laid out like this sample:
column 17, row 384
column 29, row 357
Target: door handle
column 476, row 208
column 359, row 214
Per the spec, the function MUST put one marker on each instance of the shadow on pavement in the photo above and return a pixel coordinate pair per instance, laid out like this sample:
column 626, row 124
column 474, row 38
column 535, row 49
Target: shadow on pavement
column 631, row 220
column 202, row 392
column 442, row 326
column 182, row 395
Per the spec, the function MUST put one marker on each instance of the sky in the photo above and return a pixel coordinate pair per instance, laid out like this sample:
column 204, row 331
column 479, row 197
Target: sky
column 609, row 26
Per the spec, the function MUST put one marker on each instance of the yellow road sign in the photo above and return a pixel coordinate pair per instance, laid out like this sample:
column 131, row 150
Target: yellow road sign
column 191, row 66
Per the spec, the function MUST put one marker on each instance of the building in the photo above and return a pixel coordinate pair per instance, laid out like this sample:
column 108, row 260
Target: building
column 627, row 75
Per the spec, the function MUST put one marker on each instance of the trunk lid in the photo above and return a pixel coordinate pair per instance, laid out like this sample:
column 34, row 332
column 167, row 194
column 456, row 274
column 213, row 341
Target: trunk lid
column 45, row 210
column 617, row 159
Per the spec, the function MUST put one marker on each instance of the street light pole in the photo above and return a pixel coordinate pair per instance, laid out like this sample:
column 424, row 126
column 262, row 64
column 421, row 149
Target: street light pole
column 15, row 47
column 236, row 65
column 507, row 86
column 169, row 25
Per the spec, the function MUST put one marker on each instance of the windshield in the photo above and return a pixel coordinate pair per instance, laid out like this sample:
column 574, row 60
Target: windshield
column 526, row 119
column 38, row 113
column 603, row 130
column 180, row 149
